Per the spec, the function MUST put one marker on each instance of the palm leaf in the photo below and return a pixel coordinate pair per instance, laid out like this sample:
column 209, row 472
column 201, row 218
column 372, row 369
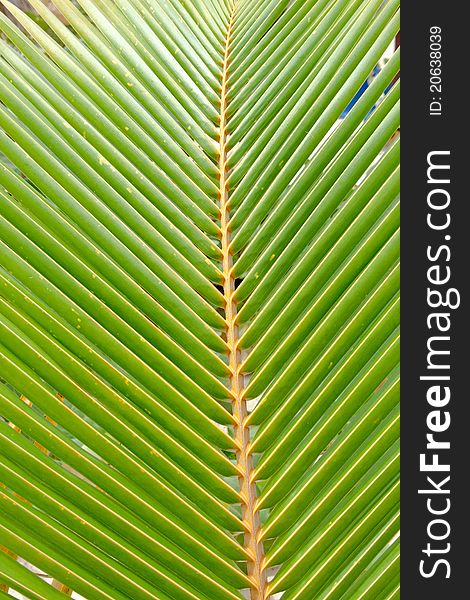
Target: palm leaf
column 199, row 299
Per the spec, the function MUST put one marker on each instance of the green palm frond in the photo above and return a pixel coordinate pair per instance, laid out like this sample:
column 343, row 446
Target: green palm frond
column 199, row 299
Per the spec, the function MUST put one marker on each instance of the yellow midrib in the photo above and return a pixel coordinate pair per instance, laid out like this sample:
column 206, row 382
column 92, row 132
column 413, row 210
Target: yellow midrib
column 250, row 514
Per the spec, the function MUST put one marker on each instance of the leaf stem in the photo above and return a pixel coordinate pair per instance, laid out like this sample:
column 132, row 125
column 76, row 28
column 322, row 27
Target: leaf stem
column 248, row 492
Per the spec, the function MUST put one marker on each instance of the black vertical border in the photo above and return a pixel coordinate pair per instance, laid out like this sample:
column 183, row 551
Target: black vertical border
column 422, row 133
